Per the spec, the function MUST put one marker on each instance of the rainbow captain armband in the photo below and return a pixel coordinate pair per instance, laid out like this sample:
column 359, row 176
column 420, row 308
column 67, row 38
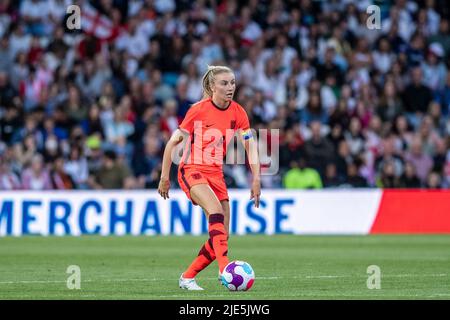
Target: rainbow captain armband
column 247, row 134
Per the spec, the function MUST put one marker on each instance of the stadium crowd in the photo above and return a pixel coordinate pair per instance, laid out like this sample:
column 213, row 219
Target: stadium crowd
column 355, row 106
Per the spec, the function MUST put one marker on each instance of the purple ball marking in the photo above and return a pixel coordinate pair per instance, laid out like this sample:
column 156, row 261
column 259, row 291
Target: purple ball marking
column 237, row 279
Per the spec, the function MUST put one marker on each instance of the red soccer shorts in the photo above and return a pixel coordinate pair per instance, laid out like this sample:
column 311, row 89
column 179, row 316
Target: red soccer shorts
column 190, row 176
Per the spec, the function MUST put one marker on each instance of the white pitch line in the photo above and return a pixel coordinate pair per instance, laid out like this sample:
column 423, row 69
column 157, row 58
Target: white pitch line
column 30, row 281
column 414, row 275
column 215, row 279
column 191, row 295
column 321, row 277
column 315, row 294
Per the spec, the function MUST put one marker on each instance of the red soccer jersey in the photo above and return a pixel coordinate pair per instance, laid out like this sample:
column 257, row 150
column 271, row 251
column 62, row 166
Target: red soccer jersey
column 211, row 129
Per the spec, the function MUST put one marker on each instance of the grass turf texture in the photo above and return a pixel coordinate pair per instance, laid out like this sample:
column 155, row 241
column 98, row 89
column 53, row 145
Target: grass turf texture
column 286, row 267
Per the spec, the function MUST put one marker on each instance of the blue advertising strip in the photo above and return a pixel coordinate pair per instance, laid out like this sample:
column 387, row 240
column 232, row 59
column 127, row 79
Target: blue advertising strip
column 110, row 213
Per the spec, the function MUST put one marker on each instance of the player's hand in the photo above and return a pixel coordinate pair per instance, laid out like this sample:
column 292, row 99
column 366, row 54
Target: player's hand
column 163, row 188
column 256, row 192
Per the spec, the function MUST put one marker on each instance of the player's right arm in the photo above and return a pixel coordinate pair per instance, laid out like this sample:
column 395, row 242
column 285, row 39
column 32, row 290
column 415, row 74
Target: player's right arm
column 183, row 132
column 164, row 182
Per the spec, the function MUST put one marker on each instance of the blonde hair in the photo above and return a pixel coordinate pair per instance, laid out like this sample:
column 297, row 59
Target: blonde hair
column 208, row 78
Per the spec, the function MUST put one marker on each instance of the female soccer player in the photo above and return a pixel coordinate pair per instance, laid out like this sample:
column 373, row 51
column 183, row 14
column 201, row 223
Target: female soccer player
column 206, row 130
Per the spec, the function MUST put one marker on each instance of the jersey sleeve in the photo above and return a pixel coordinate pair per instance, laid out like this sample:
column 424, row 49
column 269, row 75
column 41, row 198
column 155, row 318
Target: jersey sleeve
column 187, row 125
column 243, row 124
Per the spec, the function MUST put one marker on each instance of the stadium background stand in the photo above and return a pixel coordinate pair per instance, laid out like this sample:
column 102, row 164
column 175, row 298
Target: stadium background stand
column 94, row 108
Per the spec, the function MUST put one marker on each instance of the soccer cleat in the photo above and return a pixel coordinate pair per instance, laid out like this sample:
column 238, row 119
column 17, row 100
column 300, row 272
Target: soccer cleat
column 188, row 284
column 220, row 278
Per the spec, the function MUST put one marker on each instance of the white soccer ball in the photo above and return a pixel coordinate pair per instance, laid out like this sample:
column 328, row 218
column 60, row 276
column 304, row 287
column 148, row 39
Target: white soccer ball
column 238, row 276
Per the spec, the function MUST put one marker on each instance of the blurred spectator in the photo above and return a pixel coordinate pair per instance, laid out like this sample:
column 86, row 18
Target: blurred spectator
column 314, row 110
column 434, row 70
column 434, row 181
column 290, row 147
column 416, row 97
column 389, row 155
column 118, row 129
column 19, row 39
column 329, row 67
column 94, row 76
column 342, row 158
column 318, row 149
column 300, row 176
column 75, row 108
column 7, row 92
column 354, row 137
column 403, row 133
column 249, row 67
column 94, row 155
column 443, row 96
column 331, row 179
column 422, row 162
column 354, row 178
column 148, row 163
column 8, row 179
column 6, row 55
column 36, row 176
column 35, row 14
column 163, row 91
column 409, row 178
column 51, row 149
column 133, row 40
column 442, row 36
column 390, row 105
column 10, row 123
column 192, row 79
column 291, row 91
column 169, row 120
column 383, row 57
column 25, row 151
column 340, row 115
column 76, row 167
column 60, row 179
column 440, row 156
column 111, row 175
column 92, row 124
column 388, row 177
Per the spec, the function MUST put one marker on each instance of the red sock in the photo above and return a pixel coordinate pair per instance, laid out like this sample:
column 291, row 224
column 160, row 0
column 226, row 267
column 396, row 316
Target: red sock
column 219, row 237
column 205, row 256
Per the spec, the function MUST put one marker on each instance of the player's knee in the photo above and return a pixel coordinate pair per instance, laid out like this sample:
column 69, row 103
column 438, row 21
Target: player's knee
column 216, row 210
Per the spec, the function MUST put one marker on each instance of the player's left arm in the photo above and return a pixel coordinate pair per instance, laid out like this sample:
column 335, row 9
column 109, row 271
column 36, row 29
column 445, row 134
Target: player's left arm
column 251, row 148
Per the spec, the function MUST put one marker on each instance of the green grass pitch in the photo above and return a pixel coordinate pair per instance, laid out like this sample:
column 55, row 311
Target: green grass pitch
column 286, row 267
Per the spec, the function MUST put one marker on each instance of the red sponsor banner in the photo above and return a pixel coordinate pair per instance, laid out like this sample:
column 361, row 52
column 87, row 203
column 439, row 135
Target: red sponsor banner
column 413, row 211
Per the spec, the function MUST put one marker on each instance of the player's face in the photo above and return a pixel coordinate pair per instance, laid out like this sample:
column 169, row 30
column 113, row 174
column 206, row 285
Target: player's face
column 224, row 86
